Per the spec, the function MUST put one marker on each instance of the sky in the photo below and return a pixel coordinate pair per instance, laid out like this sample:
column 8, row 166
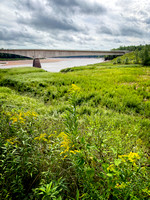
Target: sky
column 74, row 24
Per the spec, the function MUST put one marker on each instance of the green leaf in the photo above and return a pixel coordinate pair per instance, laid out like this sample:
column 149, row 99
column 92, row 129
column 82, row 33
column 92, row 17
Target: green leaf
column 77, row 195
column 42, row 189
column 109, row 175
column 114, row 150
column 117, row 161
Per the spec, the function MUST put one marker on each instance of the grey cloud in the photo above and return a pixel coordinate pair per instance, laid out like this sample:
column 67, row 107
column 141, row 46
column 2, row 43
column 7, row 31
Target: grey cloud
column 64, row 38
column 117, row 41
column 130, row 19
column 147, row 21
column 50, row 15
column 78, row 6
column 94, row 9
column 48, row 22
column 64, row 3
column 29, row 5
column 105, row 30
column 143, row 13
column 42, row 16
column 10, row 35
column 131, row 31
column 65, row 23
column 13, row 35
column 123, row 30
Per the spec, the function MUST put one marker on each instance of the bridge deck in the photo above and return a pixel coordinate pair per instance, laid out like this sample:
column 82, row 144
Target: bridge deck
column 45, row 53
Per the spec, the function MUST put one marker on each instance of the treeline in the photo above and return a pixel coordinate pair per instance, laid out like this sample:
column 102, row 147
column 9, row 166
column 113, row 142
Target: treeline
column 139, row 50
column 133, row 48
column 139, row 55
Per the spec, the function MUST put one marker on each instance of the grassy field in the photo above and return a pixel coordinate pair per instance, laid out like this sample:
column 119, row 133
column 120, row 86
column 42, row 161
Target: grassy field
column 82, row 133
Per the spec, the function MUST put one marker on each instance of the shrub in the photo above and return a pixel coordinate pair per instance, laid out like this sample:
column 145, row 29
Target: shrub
column 136, row 56
column 145, row 56
column 118, row 60
column 126, row 61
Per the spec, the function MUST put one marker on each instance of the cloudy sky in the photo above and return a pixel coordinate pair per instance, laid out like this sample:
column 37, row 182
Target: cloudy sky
column 74, row 24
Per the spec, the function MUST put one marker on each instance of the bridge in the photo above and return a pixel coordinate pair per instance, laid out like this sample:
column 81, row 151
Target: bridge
column 36, row 54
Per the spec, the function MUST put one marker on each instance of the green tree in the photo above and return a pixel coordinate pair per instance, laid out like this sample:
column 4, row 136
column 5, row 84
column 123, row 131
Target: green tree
column 118, row 60
column 136, row 56
column 126, row 61
column 145, row 57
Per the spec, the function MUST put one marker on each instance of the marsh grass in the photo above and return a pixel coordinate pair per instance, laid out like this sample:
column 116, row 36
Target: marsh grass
column 91, row 143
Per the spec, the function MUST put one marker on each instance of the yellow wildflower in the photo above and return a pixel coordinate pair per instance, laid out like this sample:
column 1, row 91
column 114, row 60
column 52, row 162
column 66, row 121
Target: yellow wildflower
column 75, row 88
column 121, row 186
column 132, row 157
column 14, row 120
column 111, row 168
column 66, row 142
column 21, row 116
column 73, row 152
column 7, row 113
column 34, row 114
column 77, row 151
column 42, row 137
column 12, row 140
column 50, row 135
column 64, row 156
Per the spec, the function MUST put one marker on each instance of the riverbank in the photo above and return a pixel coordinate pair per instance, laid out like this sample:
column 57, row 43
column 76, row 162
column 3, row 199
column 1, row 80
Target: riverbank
column 24, row 62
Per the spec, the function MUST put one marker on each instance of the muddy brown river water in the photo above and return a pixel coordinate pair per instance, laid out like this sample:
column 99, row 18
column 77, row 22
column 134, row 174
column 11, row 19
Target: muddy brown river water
column 52, row 64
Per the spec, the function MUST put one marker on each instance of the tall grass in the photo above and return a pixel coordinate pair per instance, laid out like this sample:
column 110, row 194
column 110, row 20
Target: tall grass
column 82, row 134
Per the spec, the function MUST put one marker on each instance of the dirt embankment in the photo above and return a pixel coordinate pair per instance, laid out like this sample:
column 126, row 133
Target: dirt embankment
column 23, row 62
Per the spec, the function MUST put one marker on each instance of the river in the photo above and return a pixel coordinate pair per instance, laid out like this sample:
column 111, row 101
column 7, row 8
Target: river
column 53, row 65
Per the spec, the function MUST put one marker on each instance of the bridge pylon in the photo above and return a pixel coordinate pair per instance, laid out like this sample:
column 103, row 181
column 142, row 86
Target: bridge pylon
column 36, row 63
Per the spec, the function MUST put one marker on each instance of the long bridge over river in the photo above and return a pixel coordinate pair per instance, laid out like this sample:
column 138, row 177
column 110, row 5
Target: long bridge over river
column 36, row 54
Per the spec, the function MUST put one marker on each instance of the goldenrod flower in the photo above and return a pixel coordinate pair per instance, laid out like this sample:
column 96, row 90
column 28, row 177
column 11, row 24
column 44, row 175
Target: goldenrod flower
column 21, row 116
column 64, row 156
column 42, row 137
column 121, row 186
column 75, row 88
column 77, row 151
column 73, row 152
column 12, row 140
column 66, row 144
column 132, row 157
column 111, row 168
